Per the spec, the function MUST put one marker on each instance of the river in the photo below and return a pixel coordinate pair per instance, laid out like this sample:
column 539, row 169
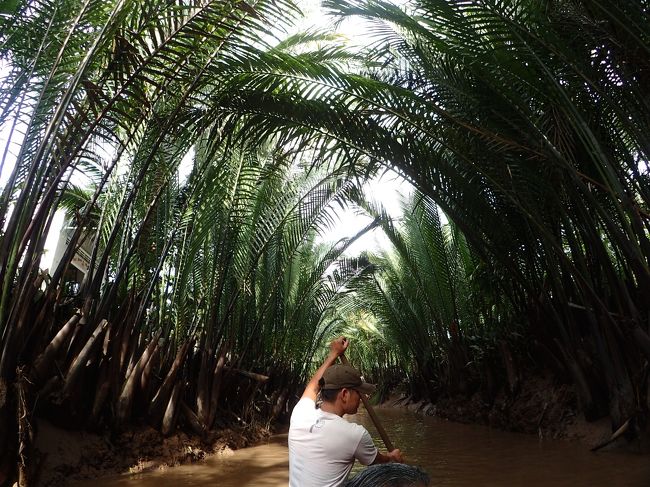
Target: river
column 453, row 454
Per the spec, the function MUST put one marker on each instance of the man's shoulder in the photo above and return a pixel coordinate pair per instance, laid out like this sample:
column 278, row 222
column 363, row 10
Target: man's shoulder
column 305, row 408
column 306, row 404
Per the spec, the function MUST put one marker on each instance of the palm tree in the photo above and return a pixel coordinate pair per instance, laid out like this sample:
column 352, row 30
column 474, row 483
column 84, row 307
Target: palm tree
column 175, row 277
column 420, row 295
column 524, row 121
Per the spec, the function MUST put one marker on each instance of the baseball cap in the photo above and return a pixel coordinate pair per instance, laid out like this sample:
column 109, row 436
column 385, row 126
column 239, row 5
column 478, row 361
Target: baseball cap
column 339, row 376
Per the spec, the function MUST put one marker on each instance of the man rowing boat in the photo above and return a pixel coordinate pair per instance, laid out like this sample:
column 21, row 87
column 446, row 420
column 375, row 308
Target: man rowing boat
column 322, row 445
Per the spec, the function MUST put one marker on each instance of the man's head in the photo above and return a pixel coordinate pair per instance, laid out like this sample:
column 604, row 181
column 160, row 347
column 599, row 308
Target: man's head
column 342, row 386
column 390, row 475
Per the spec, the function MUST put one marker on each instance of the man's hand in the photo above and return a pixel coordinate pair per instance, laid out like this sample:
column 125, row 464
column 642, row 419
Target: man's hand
column 392, row 456
column 339, row 346
column 396, row 456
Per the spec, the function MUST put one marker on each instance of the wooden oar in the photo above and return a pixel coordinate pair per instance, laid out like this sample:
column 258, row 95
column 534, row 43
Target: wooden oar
column 373, row 416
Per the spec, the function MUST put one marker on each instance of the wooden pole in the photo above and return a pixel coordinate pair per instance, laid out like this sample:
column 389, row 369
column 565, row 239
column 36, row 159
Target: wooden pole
column 373, row 415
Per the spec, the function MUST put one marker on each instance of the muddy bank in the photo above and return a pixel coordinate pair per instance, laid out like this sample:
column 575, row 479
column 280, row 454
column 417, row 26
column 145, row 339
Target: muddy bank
column 540, row 407
column 68, row 456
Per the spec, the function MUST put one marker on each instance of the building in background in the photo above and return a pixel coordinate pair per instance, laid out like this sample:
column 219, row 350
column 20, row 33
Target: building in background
column 59, row 239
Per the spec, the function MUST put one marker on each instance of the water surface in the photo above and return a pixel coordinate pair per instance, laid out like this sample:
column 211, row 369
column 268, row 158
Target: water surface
column 471, row 455
column 453, row 454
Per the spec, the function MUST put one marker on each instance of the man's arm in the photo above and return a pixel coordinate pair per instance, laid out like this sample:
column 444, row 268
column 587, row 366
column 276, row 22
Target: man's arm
column 393, row 456
column 337, row 348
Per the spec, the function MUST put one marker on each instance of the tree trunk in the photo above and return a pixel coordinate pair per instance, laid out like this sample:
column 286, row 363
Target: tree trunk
column 16, row 324
column 25, row 433
column 145, row 379
column 203, row 387
column 7, row 436
column 216, row 388
column 79, row 363
column 279, row 404
column 585, row 397
column 103, row 388
column 43, row 365
column 115, row 364
column 250, row 375
column 193, row 420
column 171, row 412
column 161, row 399
column 134, row 350
column 125, row 400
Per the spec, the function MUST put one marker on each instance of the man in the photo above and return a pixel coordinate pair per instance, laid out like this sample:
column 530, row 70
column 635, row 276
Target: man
column 322, row 445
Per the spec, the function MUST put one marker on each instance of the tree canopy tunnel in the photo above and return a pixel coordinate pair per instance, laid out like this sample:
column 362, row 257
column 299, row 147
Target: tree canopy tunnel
column 213, row 147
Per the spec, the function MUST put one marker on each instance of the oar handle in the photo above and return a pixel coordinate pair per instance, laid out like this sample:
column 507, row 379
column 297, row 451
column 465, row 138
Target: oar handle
column 373, row 416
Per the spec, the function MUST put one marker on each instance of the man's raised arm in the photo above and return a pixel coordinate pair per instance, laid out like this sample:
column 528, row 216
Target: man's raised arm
column 337, row 348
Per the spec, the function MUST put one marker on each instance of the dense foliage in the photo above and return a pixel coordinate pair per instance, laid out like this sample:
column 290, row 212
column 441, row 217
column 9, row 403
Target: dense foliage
column 205, row 276
column 524, row 121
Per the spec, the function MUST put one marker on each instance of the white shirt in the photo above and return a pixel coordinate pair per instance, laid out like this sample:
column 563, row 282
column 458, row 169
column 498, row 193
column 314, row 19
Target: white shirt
column 323, row 447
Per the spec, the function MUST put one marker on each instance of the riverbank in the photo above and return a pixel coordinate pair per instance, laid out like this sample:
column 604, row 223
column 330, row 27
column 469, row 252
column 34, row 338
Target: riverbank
column 65, row 456
column 263, row 465
column 539, row 407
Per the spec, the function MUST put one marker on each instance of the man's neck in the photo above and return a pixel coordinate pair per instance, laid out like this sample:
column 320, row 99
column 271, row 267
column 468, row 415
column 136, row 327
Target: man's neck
column 332, row 407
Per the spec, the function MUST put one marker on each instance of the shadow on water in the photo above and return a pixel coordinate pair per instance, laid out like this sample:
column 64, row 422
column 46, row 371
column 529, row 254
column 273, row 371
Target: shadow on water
column 453, row 455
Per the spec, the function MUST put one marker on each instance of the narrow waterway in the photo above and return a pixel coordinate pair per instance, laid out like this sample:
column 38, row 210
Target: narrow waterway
column 453, row 455
column 470, row 455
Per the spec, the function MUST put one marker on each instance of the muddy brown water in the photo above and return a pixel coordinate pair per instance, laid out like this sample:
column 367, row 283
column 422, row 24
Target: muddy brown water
column 453, row 454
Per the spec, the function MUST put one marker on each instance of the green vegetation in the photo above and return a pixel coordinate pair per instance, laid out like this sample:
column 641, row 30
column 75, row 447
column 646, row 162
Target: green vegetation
column 525, row 122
